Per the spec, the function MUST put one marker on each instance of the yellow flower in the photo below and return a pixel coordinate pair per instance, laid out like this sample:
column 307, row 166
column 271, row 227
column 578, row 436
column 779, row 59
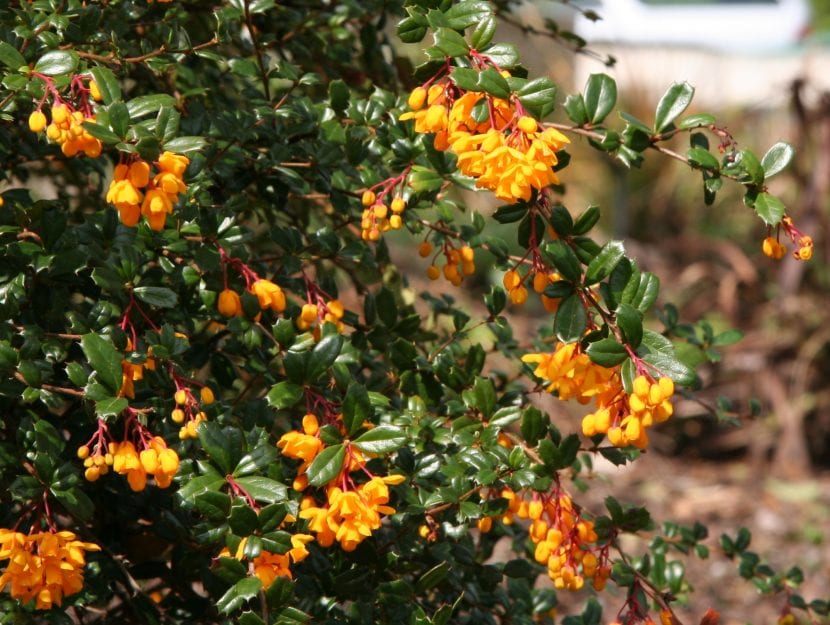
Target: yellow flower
column 269, row 295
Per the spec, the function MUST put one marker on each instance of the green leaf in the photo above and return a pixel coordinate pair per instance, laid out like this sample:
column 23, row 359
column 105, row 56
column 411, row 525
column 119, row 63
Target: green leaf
column 105, row 359
column 158, row 296
column 326, row 465
column 425, row 180
column 285, row 394
column 119, row 118
column 728, row 337
column 338, row 95
column 777, row 158
column 183, row 145
column 643, row 293
column 107, row 84
column 600, row 97
column 606, row 352
column 696, row 120
column 75, row 501
column 263, row 488
column 110, row 407
column 603, row 263
column 481, row 397
column 702, row 158
column 102, row 132
column 505, row 55
column 669, row 365
column 57, row 62
column 412, row 29
column 146, row 104
column 534, row 425
column 676, row 100
column 323, row 356
column 357, row 408
column 242, row 591
column 749, row 167
column 538, row 96
column 433, row 577
column 769, row 208
column 492, row 82
column 630, row 322
column 450, row 43
column 563, row 258
column 10, row 56
column 468, row 13
column 217, row 445
column 382, row 439
column 465, row 78
column 587, row 220
column 214, row 505
column 575, row 108
column 483, row 32
column 571, row 319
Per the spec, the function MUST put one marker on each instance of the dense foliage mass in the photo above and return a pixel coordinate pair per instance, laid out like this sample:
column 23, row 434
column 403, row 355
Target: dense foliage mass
column 221, row 400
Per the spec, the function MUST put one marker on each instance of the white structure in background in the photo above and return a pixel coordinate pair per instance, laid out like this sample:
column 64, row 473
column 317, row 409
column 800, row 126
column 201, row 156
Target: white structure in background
column 741, row 52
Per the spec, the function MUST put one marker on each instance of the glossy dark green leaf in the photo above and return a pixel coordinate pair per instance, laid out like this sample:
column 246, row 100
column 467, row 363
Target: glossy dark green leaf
column 263, row 488
column 492, row 82
column 700, row 157
column 217, row 445
column 465, row 78
column 696, row 120
column 669, row 365
column 467, row 13
column 575, row 108
column 604, row 262
column 57, row 62
column 236, row 596
column 146, row 104
column 75, row 501
column 213, row 504
column 571, row 319
column 119, row 117
column 586, row 220
column 184, row 145
column 285, row 394
column 561, row 221
column 326, row 465
column 483, row 32
column 676, row 100
column 158, row 296
column 101, row 132
column 107, row 84
column 450, row 43
column 769, row 208
column 534, row 425
column 382, row 439
column 10, row 56
column 104, row 359
column 606, row 352
column 777, row 158
column 538, row 96
column 630, row 322
column 323, row 355
column 563, row 258
column 357, row 408
column 338, row 95
column 413, row 29
column 110, row 407
column 504, row 55
column 600, row 97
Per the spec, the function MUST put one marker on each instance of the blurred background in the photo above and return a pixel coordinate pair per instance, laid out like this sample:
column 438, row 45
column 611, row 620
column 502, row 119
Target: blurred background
column 762, row 67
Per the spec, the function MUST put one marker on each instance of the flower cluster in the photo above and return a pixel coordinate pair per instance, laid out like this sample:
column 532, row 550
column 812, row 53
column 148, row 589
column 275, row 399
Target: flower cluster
column 155, row 459
column 563, row 539
column 313, row 315
column 269, row 566
column 508, row 152
column 622, row 417
column 351, row 513
column 66, row 127
column 188, row 411
column 269, row 295
column 773, row 248
column 377, row 217
column 455, row 257
column 134, row 193
column 43, row 566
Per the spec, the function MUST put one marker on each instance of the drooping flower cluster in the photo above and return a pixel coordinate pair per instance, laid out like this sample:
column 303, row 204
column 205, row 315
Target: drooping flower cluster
column 134, row 193
column 377, row 217
column 303, row 446
column 268, row 566
column 564, row 541
column 773, row 248
column 462, row 257
column 622, row 417
column 138, row 455
column 350, row 515
column 66, row 127
column 269, row 295
column 132, row 372
column 188, row 411
column 314, row 315
column 507, row 152
column 43, row 566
